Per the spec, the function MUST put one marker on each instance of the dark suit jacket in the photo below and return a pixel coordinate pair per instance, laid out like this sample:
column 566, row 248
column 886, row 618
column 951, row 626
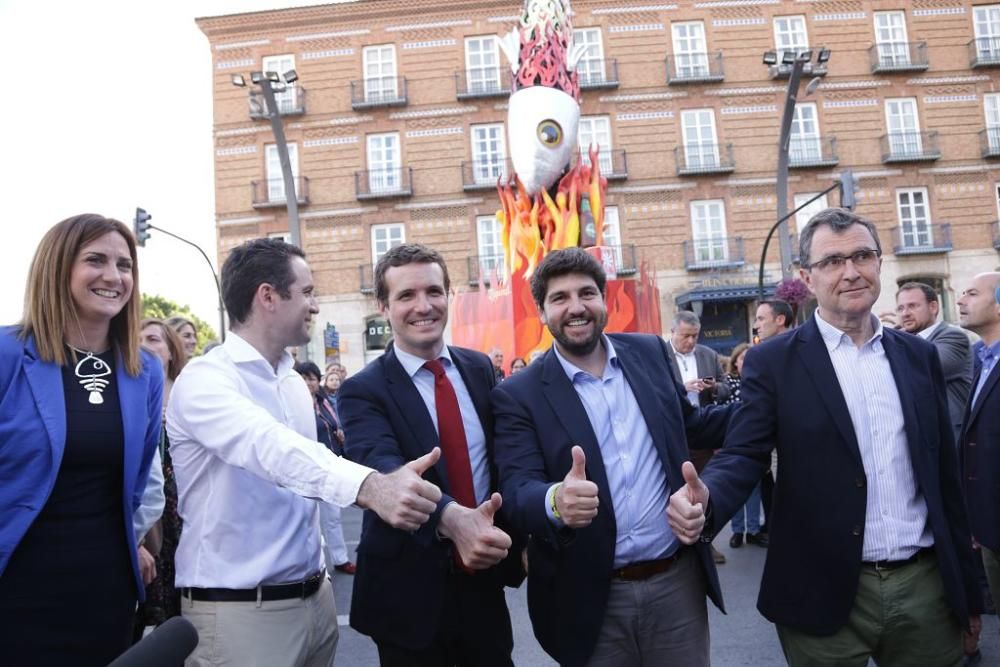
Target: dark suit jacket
column 956, row 362
column 709, row 365
column 793, row 401
column 401, row 579
column 980, row 447
column 539, row 418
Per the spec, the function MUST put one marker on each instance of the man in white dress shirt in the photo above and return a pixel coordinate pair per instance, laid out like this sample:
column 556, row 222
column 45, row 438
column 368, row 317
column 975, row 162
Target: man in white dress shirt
column 249, row 472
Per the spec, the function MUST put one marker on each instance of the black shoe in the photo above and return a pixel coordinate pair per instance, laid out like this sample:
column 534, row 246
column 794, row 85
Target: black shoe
column 736, row 541
column 759, row 539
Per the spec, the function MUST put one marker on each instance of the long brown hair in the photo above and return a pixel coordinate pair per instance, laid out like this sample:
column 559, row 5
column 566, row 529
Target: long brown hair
column 178, row 357
column 49, row 308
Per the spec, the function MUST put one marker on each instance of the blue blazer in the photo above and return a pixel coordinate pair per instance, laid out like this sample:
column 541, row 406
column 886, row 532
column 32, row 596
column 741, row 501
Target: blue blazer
column 793, row 401
column 539, row 418
column 980, row 451
column 33, row 435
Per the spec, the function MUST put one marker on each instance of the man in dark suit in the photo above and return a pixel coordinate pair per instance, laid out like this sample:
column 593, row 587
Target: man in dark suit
column 917, row 308
column 589, row 442
column 434, row 596
column 870, row 552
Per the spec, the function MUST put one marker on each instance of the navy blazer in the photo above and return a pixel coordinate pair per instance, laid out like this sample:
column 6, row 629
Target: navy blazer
column 400, row 583
column 980, row 451
column 33, row 436
column 793, row 401
column 539, row 418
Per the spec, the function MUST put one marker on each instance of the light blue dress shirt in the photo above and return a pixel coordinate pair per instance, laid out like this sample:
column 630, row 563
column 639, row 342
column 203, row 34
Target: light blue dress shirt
column 423, row 380
column 988, row 356
column 636, row 478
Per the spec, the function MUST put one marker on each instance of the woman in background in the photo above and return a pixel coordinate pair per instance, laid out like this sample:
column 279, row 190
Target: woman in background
column 80, row 418
column 517, row 365
column 187, row 331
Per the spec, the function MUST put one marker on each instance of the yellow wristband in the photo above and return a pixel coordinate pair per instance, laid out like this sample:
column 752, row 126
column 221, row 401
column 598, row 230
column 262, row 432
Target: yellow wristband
column 555, row 510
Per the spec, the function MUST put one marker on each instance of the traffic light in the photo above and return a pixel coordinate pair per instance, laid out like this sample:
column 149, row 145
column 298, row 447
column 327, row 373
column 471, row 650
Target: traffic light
column 141, row 226
column 849, row 187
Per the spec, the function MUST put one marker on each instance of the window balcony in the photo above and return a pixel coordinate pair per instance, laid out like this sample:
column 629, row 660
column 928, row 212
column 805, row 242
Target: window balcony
column 697, row 159
column 996, row 234
column 922, row 238
column 613, row 163
column 486, row 266
column 484, row 174
column 898, row 57
column 812, row 152
column 366, row 278
column 694, row 68
column 984, row 52
column 989, row 142
column 910, row 147
column 598, row 74
column 271, row 193
column 384, row 183
column 783, row 71
column 714, row 253
column 384, row 91
column 487, row 82
column 292, row 102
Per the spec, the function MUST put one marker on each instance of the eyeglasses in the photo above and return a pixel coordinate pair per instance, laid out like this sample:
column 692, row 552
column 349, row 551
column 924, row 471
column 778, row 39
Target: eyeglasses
column 860, row 259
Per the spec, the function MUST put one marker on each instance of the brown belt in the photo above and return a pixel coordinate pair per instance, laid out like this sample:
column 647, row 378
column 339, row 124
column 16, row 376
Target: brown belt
column 646, row 569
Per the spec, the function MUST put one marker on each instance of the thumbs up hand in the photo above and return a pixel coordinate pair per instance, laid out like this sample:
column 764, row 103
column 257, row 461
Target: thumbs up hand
column 576, row 497
column 686, row 510
column 480, row 544
column 402, row 498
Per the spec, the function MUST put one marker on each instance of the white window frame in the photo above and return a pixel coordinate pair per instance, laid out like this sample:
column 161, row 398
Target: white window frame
column 690, row 50
column 914, row 229
column 805, row 143
column 591, row 67
column 709, row 245
column 986, row 24
column 612, row 233
column 991, row 109
column 488, row 165
column 272, row 168
column 596, row 129
column 803, row 216
column 379, row 70
column 482, row 64
column 699, row 154
column 384, row 172
column 790, row 34
column 489, row 244
column 891, row 43
column 287, row 100
column 902, row 122
column 382, row 238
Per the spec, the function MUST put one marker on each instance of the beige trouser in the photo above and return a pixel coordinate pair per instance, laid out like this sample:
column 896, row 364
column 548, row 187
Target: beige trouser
column 278, row 633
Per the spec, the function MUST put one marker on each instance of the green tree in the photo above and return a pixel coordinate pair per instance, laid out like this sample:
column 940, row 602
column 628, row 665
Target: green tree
column 154, row 305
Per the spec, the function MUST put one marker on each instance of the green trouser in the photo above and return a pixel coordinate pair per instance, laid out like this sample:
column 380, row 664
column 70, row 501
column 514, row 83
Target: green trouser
column 900, row 618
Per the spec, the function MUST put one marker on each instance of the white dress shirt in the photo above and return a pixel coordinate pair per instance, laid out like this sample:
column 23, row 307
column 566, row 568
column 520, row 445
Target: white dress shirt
column 247, row 463
column 896, row 524
column 926, row 333
column 475, row 438
column 688, row 364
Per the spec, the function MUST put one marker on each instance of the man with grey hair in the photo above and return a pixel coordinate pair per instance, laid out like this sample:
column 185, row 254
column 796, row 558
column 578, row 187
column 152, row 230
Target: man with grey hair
column 870, row 551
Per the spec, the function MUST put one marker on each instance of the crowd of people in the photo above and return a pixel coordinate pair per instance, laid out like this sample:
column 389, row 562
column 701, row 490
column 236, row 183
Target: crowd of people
column 209, row 486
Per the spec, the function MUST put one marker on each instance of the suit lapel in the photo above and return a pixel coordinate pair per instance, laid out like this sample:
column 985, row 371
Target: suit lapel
column 816, row 361
column 45, row 380
column 132, row 394
column 673, row 362
column 991, row 382
column 478, row 386
column 904, row 385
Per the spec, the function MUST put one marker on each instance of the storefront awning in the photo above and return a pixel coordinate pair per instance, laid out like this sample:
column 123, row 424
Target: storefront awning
column 723, row 293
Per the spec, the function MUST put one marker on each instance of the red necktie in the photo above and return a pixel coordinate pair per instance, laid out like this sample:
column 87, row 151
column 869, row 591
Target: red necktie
column 451, row 432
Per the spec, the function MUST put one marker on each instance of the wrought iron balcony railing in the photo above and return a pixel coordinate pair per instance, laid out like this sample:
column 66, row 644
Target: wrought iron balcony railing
column 714, row 253
column 384, row 183
column 379, row 91
column 366, row 278
column 291, row 102
column 482, row 82
column 984, row 52
column 484, row 174
column 271, row 192
column 783, row 71
column 598, row 74
column 898, row 57
column 989, row 142
column 812, row 152
column 694, row 68
column 910, row 147
column 921, row 238
column 613, row 163
column 488, row 266
column 693, row 159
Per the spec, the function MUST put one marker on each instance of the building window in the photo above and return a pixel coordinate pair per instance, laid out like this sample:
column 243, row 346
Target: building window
column 708, row 229
column 914, row 218
column 482, row 65
column 275, row 179
column 612, row 233
column 285, row 100
column 385, row 237
column 596, row 130
column 690, row 50
column 700, row 147
column 490, row 244
column 991, row 104
column 904, row 129
column 591, row 65
column 802, row 217
column 489, row 162
column 278, row 236
column 804, row 143
column 380, row 73
column 986, row 23
column 790, row 35
column 384, row 164
column 890, row 39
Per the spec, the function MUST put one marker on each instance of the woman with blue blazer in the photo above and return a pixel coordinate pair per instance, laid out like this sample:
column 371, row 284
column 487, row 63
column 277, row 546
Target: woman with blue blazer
column 79, row 422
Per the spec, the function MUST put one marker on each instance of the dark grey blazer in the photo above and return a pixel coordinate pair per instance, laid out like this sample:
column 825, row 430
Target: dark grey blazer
column 956, row 362
column 709, row 364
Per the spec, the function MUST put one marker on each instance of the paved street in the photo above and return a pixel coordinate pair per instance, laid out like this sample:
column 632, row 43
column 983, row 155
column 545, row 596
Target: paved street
column 741, row 637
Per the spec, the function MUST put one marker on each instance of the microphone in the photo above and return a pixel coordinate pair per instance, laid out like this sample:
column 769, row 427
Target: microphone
column 166, row 646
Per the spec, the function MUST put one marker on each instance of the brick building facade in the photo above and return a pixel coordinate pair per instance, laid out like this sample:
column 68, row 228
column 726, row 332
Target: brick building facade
column 397, row 131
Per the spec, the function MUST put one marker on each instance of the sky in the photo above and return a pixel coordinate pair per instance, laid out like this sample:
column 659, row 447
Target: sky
column 107, row 106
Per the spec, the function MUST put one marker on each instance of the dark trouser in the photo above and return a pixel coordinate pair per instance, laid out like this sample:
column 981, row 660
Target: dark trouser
column 474, row 631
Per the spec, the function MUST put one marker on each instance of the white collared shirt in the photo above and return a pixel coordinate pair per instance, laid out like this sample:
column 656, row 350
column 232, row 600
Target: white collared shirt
column 689, row 371
column 926, row 333
column 475, row 437
column 896, row 524
column 248, row 466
